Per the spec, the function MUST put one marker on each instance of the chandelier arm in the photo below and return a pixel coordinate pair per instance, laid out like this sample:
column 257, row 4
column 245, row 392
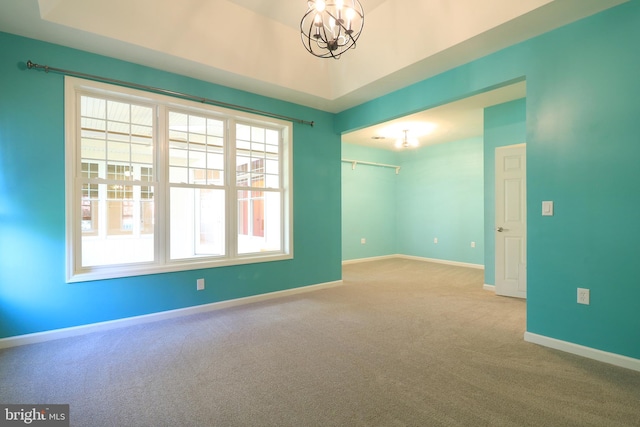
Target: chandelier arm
column 308, row 37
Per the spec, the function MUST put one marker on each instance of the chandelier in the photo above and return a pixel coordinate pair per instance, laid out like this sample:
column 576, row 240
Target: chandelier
column 329, row 28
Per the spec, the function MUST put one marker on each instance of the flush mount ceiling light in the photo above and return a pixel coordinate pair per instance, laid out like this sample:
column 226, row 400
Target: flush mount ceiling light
column 407, row 142
column 329, row 28
column 406, row 134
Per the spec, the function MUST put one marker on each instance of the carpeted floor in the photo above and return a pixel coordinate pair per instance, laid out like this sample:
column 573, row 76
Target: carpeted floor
column 401, row 343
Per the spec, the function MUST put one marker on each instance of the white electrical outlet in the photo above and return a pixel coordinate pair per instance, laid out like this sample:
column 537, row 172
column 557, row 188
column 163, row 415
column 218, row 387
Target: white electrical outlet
column 363, row 241
column 473, row 244
column 200, row 284
column 583, row 296
column 435, row 240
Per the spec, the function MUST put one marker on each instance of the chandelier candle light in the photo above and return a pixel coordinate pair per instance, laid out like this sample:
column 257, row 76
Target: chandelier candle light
column 329, row 28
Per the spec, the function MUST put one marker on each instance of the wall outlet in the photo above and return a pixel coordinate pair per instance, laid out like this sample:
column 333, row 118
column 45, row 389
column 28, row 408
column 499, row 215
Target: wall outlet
column 435, row 240
column 200, row 284
column 363, row 241
column 473, row 244
column 583, row 296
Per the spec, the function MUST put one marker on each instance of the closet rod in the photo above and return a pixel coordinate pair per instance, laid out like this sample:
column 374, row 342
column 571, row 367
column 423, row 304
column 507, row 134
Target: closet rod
column 46, row 68
column 355, row 162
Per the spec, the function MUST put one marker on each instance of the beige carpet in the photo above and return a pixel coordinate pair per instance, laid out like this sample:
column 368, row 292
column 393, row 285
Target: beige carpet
column 402, row 343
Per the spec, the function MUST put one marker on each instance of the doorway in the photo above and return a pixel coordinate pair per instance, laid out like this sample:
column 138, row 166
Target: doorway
column 511, row 221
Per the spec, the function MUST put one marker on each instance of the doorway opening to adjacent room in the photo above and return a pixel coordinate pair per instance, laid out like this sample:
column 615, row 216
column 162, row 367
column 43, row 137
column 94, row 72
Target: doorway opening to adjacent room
column 423, row 186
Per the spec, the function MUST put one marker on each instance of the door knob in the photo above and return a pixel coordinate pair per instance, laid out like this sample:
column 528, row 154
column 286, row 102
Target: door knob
column 499, row 229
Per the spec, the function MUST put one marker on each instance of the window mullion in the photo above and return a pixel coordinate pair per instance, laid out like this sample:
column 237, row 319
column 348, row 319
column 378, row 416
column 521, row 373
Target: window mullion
column 232, row 191
column 161, row 203
column 284, row 219
column 73, row 162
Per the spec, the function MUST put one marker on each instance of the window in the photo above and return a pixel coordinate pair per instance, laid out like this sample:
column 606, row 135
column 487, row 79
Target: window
column 157, row 184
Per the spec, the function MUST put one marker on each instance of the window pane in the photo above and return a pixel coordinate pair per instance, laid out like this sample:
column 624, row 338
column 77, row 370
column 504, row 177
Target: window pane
column 118, row 111
column 197, row 222
column 178, row 121
column 215, row 161
column 197, row 125
column 198, row 176
column 118, row 151
column 107, row 134
column 119, row 131
column 92, row 124
column 273, row 181
column 141, row 115
column 259, row 222
column 178, row 175
column 253, row 156
column 142, row 154
column 178, row 139
column 215, row 177
column 272, row 167
column 243, row 132
column 120, row 172
column 89, row 223
column 243, row 145
column 93, row 107
column 117, row 231
column 215, row 127
column 141, row 134
column 242, row 171
column 178, row 157
column 197, row 142
column 197, row 159
column 190, row 144
column 272, row 149
column 147, row 210
column 93, row 138
column 272, row 137
column 215, row 142
column 257, row 134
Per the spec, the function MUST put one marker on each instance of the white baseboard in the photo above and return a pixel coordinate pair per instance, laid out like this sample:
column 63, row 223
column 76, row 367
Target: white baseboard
column 491, row 288
column 373, row 258
column 415, row 258
column 580, row 350
column 442, row 261
column 154, row 317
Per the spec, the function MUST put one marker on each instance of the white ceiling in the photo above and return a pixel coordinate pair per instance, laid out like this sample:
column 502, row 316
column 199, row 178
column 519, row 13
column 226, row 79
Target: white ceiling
column 450, row 122
column 254, row 45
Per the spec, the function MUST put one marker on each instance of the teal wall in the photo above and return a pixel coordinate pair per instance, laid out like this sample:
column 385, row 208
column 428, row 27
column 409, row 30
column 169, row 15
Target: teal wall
column 438, row 193
column 504, row 124
column 441, row 195
column 582, row 109
column 368, row 203
column 33, row 294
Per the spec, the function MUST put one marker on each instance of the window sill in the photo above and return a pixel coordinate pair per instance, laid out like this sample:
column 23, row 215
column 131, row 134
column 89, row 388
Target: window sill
column 115, row 272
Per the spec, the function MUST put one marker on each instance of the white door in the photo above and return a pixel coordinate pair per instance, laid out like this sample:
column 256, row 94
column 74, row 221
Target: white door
column 511, row 221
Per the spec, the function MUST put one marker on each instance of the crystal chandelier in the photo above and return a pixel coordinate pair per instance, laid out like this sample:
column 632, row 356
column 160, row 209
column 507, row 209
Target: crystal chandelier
column 329, row 28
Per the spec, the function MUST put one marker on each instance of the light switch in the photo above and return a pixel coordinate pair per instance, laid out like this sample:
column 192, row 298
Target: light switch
column 547, row 208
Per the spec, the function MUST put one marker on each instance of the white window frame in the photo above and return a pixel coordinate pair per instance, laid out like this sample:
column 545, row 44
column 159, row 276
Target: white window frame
column 74, row 88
